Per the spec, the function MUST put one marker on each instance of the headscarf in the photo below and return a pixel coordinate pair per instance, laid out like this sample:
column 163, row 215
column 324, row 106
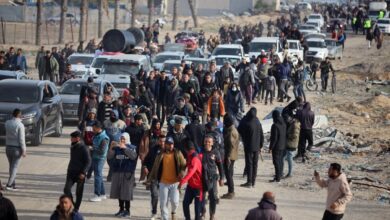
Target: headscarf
column 126, row 136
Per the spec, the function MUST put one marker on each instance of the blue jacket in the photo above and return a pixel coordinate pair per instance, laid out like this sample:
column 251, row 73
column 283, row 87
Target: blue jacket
column 284, row 70
column 75, row 216
column 100, row 146
column 23, row 63
column 124, row 160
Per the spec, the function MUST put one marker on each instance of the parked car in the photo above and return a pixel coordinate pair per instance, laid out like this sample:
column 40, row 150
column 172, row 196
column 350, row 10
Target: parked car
column 70, row 93
column 160, row 58
column 335, row 49
column 266, row 44
column 80, row 63
column 384, row 25
column 196, row 61
column 6, row 74
column 318, row 50
column 41, row 106
column 68, row 17
column 295, row 51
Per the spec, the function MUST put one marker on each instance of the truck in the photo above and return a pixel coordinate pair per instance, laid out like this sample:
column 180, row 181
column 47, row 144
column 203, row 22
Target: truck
column 375, row 7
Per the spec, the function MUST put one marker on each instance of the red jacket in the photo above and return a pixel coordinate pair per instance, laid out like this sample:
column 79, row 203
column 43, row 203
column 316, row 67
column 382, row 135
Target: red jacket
column 194, row 171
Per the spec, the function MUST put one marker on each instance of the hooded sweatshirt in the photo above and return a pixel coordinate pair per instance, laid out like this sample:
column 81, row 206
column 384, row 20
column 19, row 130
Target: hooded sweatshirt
column 278, row 132
column 251, row 131
column 306, row 117
column 265, row 211
column 338, row 192
column 194, row 171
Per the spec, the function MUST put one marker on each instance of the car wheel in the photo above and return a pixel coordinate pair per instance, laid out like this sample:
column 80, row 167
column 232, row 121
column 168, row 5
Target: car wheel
column 59, row 126
column 38, row 135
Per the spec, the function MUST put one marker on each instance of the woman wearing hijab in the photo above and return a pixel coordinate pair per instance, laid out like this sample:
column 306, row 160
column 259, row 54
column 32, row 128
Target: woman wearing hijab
column 124, row 162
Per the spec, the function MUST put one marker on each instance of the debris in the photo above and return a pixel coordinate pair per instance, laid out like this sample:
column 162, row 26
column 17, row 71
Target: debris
column 372, row 185
column 371, row 169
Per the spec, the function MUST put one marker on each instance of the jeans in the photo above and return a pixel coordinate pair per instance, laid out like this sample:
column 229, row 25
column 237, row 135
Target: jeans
column 271, row 95
column 212, row 191
column 98, row 165
column 71, row 179
column 283, row 89
column 154, row 196
column 298, row 91
column 324, row 80
column 288, row 156
column 256, row 90
column 252, row 159
column 190, row 195
column 13, row 155
column 277, row 159
column 330, row 216
column 168, row 192
column 304, row 134
column 90, row 170
column 229, row 172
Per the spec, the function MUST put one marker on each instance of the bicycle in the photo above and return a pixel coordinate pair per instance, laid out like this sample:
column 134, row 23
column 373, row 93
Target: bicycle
column 311, row 83
column 333, row 83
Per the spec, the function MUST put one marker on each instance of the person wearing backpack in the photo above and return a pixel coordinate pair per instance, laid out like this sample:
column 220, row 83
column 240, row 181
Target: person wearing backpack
column 194, row 189
column 212, row 175
column 298, row 80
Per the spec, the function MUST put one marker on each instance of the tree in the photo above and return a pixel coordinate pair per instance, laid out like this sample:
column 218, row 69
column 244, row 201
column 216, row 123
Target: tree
column 39, row 23
column 174, row 21
column 133, row 3
column 100, row 18
column 64, row 9
column 150, row 15
column 83, row 12
column 116, row 14
column 193, row 12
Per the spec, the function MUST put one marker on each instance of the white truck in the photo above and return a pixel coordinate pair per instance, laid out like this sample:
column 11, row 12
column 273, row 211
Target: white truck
column 375, row 7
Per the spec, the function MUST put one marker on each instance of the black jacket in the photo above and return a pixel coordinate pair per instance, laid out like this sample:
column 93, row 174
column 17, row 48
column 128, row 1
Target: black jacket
column 251, row 131
column 278, row 133
column 195, row 133
column 180, row 141
column 7, row 208
column 151, row 156
column 306, row 117
column 136, row 133
column 80, row 159
column 101, row 113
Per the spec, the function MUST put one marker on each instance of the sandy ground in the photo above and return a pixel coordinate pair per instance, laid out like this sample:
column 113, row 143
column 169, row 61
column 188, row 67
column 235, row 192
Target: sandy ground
column 42, row 173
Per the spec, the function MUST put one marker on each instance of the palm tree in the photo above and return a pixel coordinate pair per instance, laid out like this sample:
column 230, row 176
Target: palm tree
column 64, row 9
column 193, row 12
column 83, row 17
column 174, row 21
column 39, row 23
column 133, row 3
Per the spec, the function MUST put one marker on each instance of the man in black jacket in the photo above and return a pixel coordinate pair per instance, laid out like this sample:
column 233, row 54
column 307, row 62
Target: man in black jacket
column 195, row 131
column 253, row 138
column 79, row 163
column 306, row 118
column 136, row 131
column 277, row 144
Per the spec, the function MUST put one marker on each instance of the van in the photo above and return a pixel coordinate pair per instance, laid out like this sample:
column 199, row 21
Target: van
column 266, row 44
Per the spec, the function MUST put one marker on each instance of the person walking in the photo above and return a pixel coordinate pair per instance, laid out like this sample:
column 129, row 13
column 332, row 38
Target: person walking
column 277, row 144
column 194, row 189
column 339, row 193
column 326, row 67
column 19, row 61
column 269, row 86
column 15, row 146
column 231, row 141
column 234, row 103
column 80, row 161
column 65, row 210
column 123, row 157
column 48, row 67
column 298, row 80
column 41, row 53
column 284, row 73
column 99, row 153
column 293, row 129
column 252, row 136
column 147, row 166
column 266, row 209
column 167, row 170
column 306, row 118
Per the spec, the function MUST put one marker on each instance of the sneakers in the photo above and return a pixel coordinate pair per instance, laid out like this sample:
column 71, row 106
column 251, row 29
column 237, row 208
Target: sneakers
column 153, row 217
column 96, row 198
column 119, row 214
column 11, row 188
column 125, row 214
column 228, row 196
column 103, row 197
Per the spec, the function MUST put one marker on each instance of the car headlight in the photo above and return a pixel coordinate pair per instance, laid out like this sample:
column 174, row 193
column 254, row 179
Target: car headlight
column 29, row 115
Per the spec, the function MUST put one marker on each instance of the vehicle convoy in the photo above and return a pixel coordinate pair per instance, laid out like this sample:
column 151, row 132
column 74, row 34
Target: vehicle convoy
column 96, row 64
column 317, row 49
column 374, row 9
column 41, row 106
column 70, row 94
column 80, row 63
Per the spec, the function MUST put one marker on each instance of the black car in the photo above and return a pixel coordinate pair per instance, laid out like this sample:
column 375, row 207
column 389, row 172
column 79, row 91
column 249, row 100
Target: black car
column 40, row 103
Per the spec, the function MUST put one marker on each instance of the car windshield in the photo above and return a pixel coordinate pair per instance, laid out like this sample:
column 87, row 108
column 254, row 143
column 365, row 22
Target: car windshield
column 163, row 58
column 316, row 44
column 227, row 51
column 80, row 60
column 169, row 66
column 220, row 61
column 373, row 13
column 74, row 88
column 383, row 21
column 314, row 17
column 293, row 45
column 98, row 62
column 20, row 94
column 307, row 27
column 258, row 46
column 120, row 68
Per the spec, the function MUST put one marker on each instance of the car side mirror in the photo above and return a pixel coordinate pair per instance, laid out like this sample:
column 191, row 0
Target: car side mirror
column 97, row 71
column 47, row 100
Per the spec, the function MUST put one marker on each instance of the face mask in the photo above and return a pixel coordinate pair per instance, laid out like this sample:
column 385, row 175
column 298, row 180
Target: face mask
column 234, row 89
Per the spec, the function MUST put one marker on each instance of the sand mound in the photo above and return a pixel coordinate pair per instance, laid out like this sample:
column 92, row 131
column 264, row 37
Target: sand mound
column 377, row 70
column 377, row 107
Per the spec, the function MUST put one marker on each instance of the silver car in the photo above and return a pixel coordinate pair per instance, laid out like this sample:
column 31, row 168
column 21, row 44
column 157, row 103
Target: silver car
column 335, row 49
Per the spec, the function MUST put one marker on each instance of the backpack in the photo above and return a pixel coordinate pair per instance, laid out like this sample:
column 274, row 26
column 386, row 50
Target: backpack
column 246, row 78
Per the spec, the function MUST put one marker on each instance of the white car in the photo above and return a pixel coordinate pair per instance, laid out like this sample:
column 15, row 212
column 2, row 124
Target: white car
column 316, row 24
column 303, row 6
column 317, row 51
column 307, row 29
column 295, row 50
column 80, row 63
column 316, row 18
column 228, row 50
column 96, row 65
column 233, row 61
column 160, row 58
column 266, row 44
column 384, row 25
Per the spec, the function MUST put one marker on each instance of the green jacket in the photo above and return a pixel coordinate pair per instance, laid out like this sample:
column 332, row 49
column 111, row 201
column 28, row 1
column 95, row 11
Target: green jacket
column 53, row 65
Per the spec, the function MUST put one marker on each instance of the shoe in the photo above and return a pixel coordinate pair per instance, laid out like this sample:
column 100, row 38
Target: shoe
column 103, row 197
column 96, row 198
column 287, row 176
column 228, row 196
column 254, row 102
column 246, row 185
column 265, row 103
column 274, row 181
column 11, row 188
column 173, row 216
column 125, row 214
column 280, row 100
column 153, row 217
column 119, row 214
